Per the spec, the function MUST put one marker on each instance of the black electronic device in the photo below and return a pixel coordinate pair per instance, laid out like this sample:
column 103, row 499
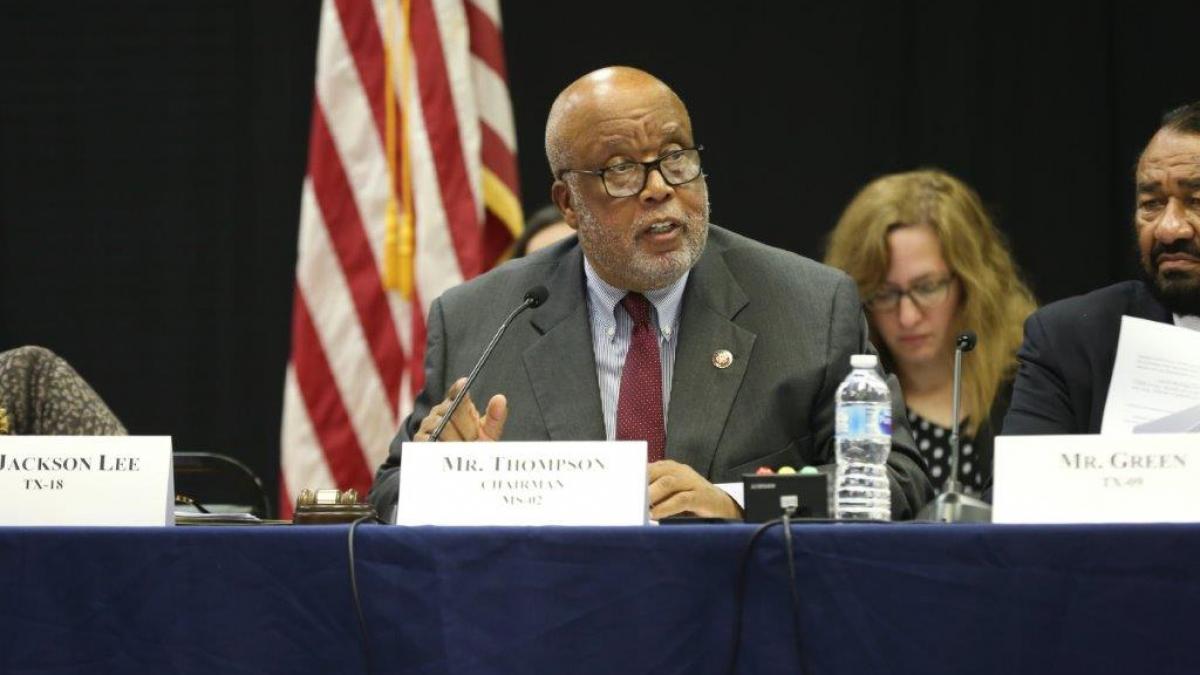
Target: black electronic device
column 801, row 495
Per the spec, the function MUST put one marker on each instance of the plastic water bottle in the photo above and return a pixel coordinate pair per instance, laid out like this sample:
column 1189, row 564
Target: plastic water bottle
column 863, row 440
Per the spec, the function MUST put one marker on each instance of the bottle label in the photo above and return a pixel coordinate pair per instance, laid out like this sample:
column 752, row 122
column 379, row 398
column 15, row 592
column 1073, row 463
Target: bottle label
column 864, row 419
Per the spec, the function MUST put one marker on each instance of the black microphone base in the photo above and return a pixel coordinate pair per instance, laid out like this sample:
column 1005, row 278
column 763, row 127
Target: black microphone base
column 955, row 507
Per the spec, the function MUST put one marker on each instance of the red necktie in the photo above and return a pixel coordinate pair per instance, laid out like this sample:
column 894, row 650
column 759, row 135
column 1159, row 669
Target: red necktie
column 640, row 407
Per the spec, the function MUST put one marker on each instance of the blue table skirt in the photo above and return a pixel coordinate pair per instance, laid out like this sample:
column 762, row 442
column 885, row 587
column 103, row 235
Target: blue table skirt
column 875, row 599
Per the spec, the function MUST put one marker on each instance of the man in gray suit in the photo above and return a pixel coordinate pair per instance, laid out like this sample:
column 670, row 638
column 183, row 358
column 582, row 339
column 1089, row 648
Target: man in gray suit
column 723, row 353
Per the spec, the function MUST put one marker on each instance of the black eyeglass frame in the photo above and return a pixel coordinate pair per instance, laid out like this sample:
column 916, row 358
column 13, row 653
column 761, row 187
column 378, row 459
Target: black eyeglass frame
column 652, row 165
column 940, row 286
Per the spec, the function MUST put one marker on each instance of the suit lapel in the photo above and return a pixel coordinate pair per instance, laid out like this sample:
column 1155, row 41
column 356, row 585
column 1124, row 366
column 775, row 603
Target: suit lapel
column 561, row 363
column 702, row 394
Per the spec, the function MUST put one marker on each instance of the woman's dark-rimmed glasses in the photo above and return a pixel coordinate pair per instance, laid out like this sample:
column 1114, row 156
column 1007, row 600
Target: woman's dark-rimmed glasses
column 925, row 294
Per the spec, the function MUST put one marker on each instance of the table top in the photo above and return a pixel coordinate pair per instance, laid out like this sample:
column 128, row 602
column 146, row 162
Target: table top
column 874, row 597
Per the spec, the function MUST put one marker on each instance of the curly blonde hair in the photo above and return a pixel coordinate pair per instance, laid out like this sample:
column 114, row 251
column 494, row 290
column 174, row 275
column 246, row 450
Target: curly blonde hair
column 995, row 301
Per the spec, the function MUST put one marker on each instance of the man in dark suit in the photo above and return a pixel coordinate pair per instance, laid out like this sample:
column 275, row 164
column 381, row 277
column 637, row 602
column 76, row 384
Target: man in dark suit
column 720, row 352
column 1070, row 346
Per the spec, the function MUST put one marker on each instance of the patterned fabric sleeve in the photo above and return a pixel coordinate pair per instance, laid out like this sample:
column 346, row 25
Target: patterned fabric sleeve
column 41, row 395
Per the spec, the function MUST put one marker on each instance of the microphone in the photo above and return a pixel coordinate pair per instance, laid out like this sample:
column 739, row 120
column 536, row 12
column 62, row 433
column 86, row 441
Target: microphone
column 964, row 343
column 952, row 506
column 534, row 297
column 538, row 294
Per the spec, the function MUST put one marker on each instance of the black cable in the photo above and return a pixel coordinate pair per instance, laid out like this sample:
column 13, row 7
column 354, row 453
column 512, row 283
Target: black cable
column 740, row 591
column 739, row 597
column 795, row 589
column 362, row 621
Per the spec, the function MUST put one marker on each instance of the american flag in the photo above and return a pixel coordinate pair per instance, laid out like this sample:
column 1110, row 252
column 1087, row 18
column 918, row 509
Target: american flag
column 411, row 188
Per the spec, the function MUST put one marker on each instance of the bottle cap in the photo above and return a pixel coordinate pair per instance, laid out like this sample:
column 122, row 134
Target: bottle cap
column 809, row 471
column 864, row 361
column 764, row 471
column 786, row 470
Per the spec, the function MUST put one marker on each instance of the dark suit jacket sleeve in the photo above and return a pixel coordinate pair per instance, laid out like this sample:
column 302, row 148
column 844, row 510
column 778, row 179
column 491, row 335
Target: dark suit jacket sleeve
column 386, row 488
column 909, row 478
column 907, row 475
column 1041, row 401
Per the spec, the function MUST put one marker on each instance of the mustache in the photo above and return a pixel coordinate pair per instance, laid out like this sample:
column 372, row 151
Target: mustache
column 1183, row 246
column 674, row 215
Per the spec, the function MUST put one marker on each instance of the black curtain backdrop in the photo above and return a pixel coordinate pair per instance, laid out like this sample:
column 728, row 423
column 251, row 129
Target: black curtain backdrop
column 151, row 156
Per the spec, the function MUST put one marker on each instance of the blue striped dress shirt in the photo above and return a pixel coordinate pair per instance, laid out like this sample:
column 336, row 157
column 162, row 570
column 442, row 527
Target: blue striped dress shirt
column 611, row 332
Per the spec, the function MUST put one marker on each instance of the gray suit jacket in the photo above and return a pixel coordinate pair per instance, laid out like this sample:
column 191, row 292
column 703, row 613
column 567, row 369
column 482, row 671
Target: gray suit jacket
column 791, row 324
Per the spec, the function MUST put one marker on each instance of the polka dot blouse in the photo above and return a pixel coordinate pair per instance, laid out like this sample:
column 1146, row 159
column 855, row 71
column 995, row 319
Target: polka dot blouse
column 933, row 442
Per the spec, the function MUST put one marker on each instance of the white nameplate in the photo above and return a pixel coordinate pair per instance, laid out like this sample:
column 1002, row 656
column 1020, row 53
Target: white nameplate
column 1111, row 478
column 86, row 480
column 523, row 483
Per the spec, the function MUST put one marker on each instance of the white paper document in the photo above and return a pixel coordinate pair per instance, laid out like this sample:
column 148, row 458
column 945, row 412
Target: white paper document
column 1155, row 384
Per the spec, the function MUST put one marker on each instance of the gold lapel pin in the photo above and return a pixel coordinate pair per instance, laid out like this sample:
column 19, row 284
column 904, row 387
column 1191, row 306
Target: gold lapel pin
column 722, row 358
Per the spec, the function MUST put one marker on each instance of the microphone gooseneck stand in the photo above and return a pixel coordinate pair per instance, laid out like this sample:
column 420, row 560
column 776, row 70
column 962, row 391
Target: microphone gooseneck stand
column 953, row 505
column 534, row 297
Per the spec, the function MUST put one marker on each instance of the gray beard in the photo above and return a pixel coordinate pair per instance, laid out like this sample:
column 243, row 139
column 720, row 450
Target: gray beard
column 639, row 271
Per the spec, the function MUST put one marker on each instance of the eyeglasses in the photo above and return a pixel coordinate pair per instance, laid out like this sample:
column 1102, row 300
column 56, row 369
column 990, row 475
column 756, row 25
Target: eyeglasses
column 629, row 178
column 925, row 294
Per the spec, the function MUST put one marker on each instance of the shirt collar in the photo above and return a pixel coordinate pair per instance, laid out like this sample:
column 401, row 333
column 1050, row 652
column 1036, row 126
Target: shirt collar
column 667, row 301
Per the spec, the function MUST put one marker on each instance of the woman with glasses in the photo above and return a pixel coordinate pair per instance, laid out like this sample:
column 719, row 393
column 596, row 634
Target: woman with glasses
column 929, row 264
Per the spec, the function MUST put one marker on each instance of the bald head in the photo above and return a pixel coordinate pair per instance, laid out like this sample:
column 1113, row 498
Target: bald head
column 596, row 98
column 621, row 120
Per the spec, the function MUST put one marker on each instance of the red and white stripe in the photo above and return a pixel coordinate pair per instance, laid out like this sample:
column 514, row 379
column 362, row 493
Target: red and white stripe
column 357, row 347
